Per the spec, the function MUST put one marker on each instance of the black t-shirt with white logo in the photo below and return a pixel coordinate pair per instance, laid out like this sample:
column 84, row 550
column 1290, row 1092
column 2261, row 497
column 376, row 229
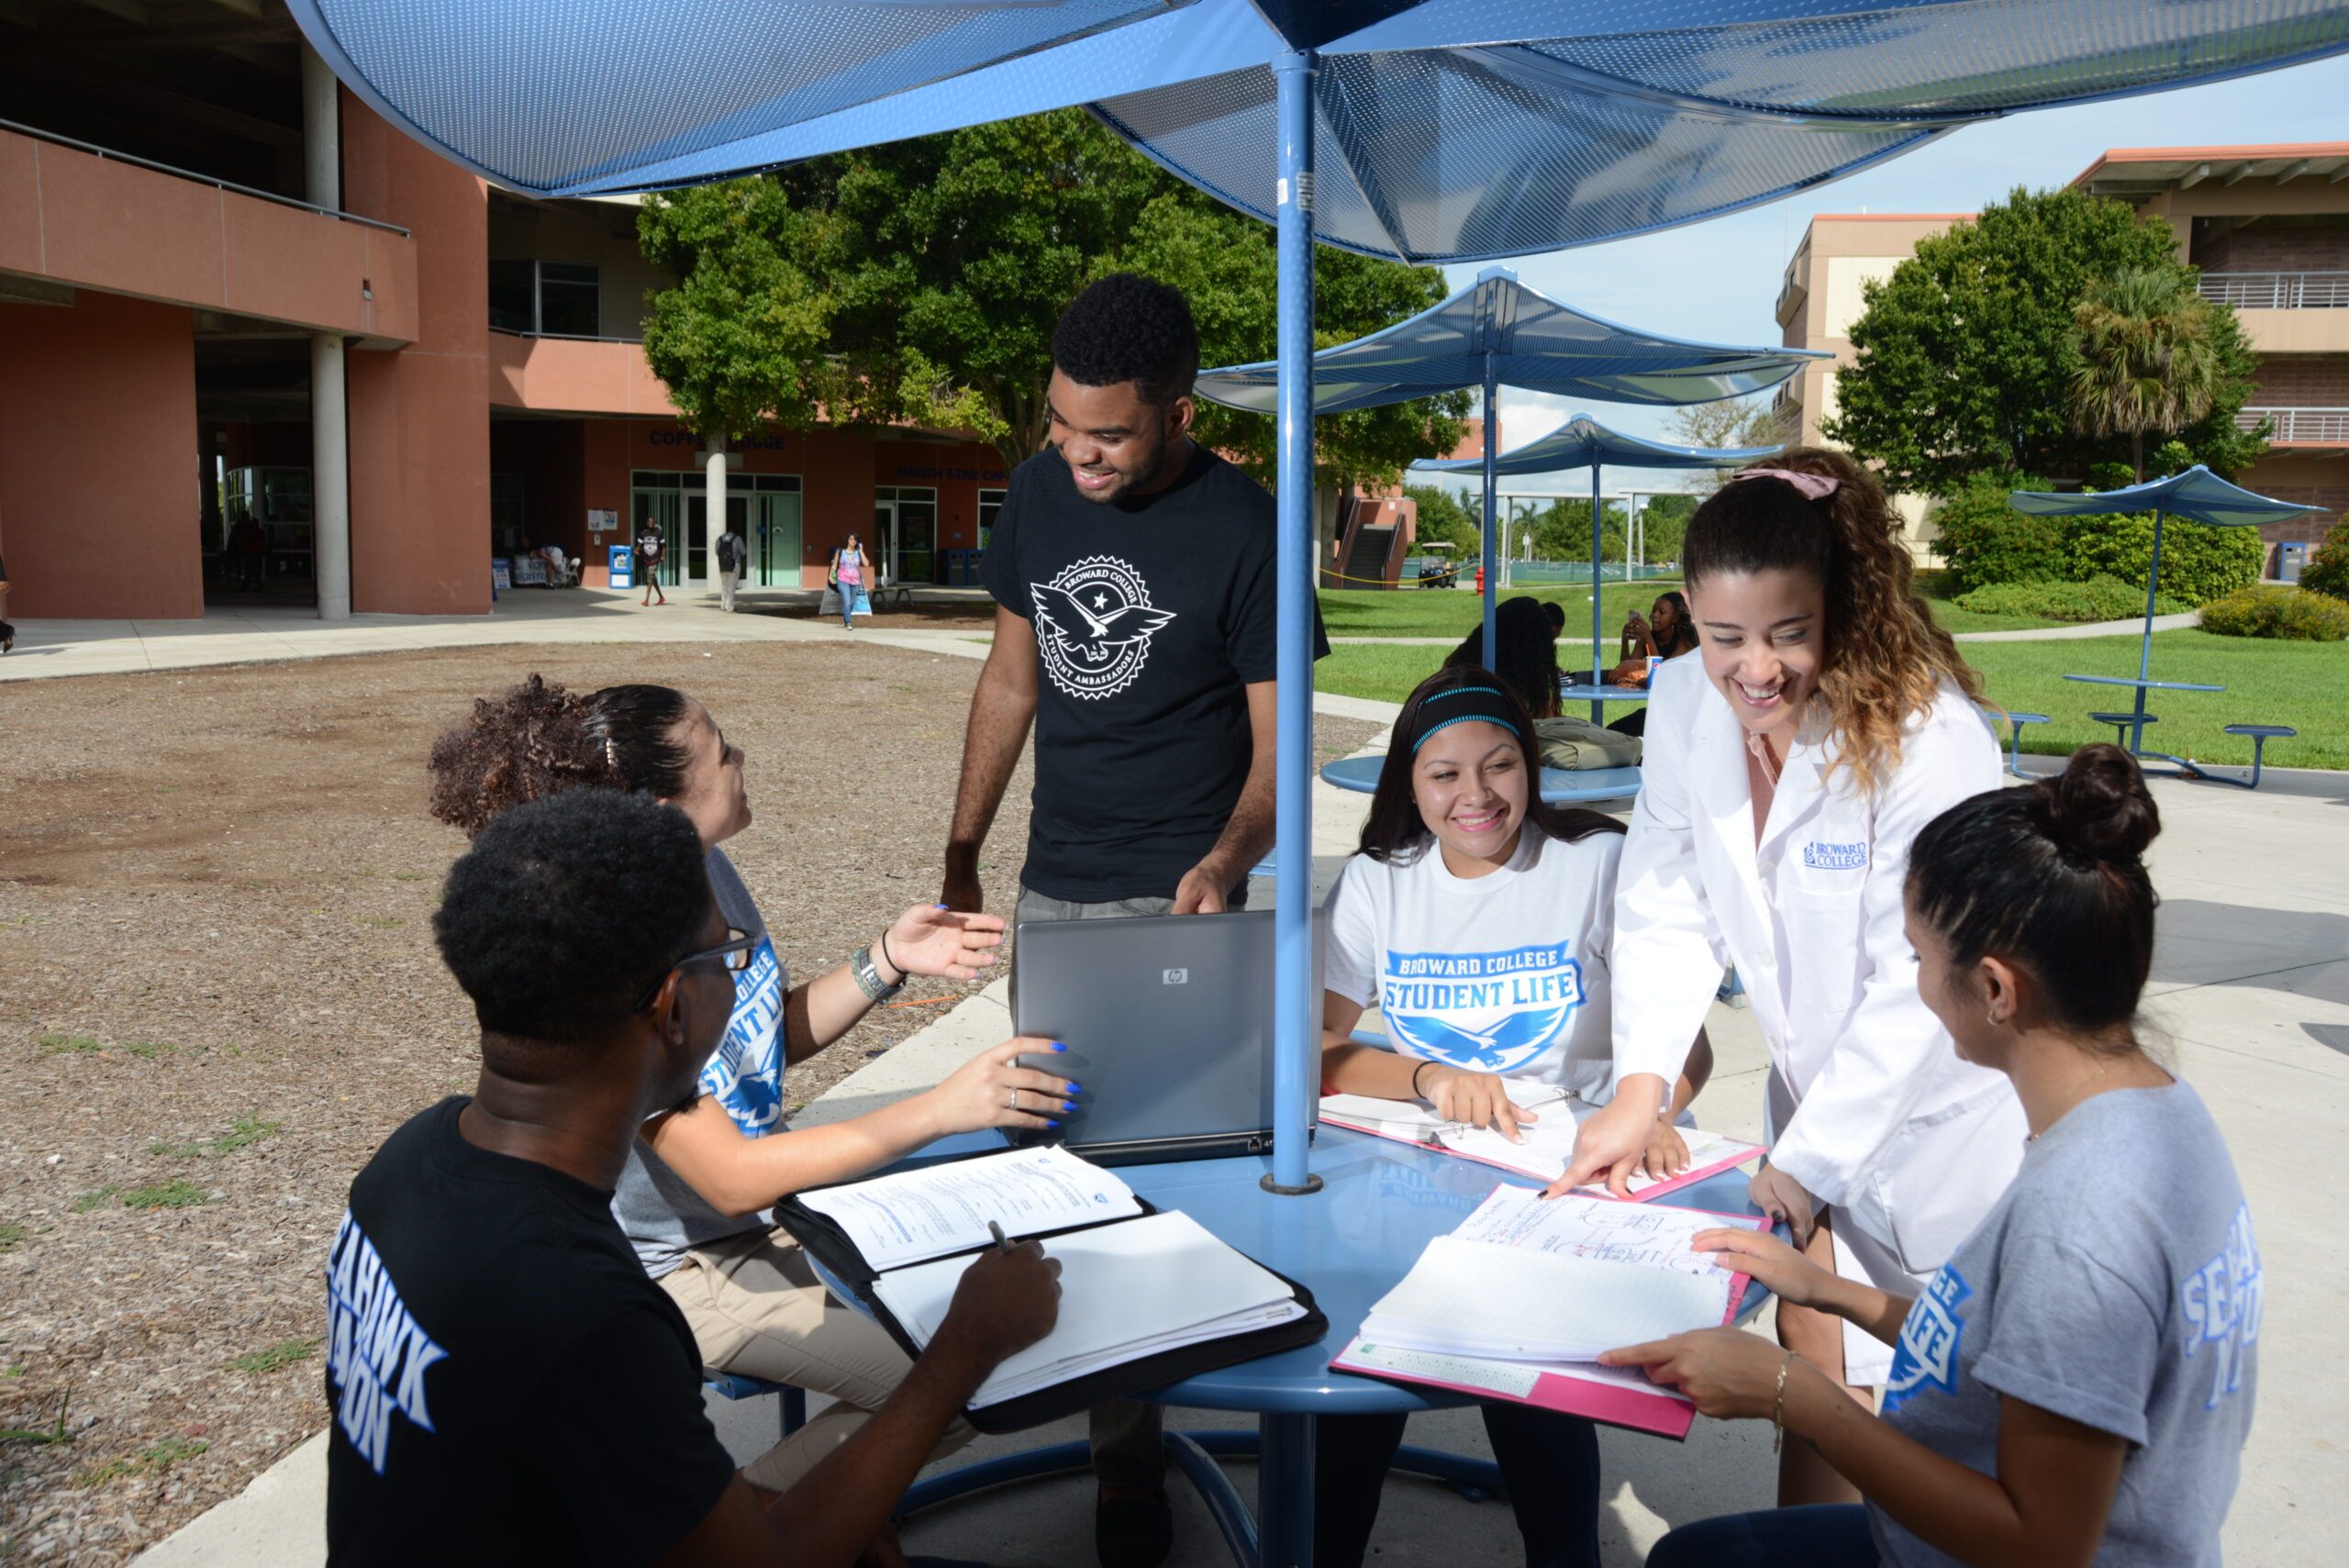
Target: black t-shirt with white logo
column 1152, row 615
column 506, row 1383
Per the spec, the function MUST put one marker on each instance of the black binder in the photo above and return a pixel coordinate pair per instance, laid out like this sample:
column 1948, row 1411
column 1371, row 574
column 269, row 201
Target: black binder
column 840, row 1258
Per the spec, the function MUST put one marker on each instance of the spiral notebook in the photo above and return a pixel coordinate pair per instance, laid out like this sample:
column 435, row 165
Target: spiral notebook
column 1549, row 1143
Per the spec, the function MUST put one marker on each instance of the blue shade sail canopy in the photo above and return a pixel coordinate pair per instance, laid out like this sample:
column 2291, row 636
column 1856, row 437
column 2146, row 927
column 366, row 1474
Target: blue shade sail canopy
column 1446, row 130
column 546, row 96
column 1583, row 442
column 1498, row 329
column 2198, row 494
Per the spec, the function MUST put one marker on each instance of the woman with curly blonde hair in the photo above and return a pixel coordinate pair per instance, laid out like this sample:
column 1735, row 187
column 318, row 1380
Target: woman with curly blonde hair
column 1788, row 769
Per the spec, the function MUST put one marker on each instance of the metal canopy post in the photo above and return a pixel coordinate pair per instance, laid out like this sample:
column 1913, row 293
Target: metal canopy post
column 1295, row 1051
column 2145, row 648
column 1492, row 488
column 1598, row 709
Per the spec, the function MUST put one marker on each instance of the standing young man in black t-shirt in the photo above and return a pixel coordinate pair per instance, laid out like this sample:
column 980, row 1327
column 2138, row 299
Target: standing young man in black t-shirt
column 507, row 1383
column 1133, row 573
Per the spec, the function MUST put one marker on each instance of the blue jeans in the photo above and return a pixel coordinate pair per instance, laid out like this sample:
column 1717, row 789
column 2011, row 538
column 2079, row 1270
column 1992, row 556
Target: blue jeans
column 1825, row 1535
column 1549, row 1462
column 847, row 603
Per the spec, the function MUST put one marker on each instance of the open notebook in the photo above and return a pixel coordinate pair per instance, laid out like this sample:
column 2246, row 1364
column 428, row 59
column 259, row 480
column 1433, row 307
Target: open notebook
column 1147, row 1297
column 1519, row 1302
column 1549, row 1143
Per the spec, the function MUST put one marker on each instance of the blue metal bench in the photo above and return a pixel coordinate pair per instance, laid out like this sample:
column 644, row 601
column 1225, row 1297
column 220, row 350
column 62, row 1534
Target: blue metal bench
column 2260, row 735
column 733, row 1385
column 2017, row 721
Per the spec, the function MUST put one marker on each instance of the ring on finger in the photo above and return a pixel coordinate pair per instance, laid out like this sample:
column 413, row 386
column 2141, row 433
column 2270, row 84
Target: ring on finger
column 1015, row 1100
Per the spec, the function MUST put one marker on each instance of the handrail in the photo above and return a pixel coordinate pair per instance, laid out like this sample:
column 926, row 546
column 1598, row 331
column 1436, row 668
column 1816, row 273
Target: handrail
column 565, row 337
column 97, row 152
column 2327, row 290
column 2318, row 425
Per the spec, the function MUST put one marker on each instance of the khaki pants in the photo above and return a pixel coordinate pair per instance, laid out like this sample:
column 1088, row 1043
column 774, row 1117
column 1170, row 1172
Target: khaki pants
column 726, row 590
column 757, row 1308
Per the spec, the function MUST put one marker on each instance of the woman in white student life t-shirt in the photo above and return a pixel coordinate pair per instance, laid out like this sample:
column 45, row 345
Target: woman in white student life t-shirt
column 1478, row 919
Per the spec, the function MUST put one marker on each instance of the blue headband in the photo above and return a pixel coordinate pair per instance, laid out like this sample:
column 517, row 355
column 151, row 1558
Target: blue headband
column 1486, row 704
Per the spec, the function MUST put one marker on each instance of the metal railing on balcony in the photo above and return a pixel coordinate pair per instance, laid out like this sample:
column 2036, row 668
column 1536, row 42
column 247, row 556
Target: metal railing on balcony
column 2278, row 291
column 178, row 173
column 2326, row 427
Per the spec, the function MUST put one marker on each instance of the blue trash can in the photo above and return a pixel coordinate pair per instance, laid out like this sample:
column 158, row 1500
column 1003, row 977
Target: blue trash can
column 622, row 565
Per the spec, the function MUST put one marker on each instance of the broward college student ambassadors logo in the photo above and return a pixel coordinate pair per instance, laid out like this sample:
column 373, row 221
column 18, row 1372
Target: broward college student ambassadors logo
column 1094, row 624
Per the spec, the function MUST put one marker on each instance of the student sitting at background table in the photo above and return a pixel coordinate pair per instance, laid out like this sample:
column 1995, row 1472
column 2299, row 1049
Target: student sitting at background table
column 2075, row 1383
column 1667, row 633
column 1460, row 858
column 504, row 1384
column 695, row 1194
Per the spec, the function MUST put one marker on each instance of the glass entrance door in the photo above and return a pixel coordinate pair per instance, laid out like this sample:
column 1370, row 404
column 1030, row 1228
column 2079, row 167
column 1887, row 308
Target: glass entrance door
column 775, row 543
column 904, row 523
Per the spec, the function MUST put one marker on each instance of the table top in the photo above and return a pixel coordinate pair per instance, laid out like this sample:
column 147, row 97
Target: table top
column 1559, row 786
column 2150, row 685
column 1602, row 693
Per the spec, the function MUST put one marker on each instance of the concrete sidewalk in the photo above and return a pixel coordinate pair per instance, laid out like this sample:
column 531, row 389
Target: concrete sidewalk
column 2250, row 997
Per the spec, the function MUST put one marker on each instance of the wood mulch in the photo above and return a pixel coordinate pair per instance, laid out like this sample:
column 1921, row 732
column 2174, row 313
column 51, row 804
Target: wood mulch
column 218, row 995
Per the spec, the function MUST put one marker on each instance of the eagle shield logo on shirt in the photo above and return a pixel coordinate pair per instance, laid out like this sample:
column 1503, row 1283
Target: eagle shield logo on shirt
column 1094, row 623
column 1931, row 1335
column 1489, row 1012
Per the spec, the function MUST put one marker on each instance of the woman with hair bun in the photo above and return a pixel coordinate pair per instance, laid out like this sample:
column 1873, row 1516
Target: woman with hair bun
column 2074, row 1384
column 1789, row 766
column 696, row 1195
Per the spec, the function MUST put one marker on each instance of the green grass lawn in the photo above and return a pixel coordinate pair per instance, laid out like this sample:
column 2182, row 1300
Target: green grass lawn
column 2304, row 684
column 1430, row 612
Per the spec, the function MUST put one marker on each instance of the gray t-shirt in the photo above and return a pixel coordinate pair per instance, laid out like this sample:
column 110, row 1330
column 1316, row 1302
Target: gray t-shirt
column 2116, row 1283
column 661, row 1214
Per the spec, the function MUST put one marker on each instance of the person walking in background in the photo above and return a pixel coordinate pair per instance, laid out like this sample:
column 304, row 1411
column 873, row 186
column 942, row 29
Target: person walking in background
column 732, row 549
column 648, row 560
column 848, row 562
column 248, row 552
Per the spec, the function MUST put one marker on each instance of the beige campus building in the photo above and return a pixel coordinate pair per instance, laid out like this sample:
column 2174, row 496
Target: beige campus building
column 2268, row 227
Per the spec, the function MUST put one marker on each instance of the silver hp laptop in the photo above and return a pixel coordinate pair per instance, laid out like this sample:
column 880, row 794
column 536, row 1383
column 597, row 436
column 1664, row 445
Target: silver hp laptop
column 1168, row 1021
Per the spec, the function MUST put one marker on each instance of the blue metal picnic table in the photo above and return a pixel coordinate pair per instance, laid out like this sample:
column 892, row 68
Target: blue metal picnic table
column 2138, row 721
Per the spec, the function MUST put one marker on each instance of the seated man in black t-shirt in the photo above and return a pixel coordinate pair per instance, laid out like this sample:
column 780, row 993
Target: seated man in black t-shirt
column 506, row 1384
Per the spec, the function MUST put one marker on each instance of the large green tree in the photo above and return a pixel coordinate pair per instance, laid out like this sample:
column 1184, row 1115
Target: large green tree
column 942, row 263
column 1968, row 351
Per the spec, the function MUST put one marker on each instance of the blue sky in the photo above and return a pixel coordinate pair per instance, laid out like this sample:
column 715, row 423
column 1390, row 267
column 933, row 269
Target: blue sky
column 1718, row 280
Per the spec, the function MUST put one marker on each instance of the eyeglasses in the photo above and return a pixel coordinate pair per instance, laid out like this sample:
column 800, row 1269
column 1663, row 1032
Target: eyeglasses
column 735, row 949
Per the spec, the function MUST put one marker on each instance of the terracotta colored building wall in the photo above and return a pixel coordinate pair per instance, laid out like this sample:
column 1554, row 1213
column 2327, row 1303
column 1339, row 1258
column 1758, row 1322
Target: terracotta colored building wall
column 420, row 417
column 958, row 472
column 98, row 504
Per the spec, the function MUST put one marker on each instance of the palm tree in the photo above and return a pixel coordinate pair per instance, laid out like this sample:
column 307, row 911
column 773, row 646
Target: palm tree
column 2149, row 357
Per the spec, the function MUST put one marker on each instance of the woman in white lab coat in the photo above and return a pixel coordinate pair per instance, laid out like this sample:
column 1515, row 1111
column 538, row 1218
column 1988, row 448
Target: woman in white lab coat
column 1788, row 767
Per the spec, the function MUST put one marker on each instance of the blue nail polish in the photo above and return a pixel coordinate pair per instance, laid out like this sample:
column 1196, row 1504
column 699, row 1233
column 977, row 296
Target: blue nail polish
column 1068, row 1105
column 1052, row 1124
column 1058, row 1046
column 1076, row 1088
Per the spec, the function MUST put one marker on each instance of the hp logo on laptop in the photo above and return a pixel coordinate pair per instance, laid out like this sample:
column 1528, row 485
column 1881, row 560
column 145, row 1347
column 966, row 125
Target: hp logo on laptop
column 1174, row 977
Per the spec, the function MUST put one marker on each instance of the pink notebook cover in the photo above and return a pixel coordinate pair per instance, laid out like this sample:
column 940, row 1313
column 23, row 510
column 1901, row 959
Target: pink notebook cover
column 1643, row 1407
column 1596, row 1189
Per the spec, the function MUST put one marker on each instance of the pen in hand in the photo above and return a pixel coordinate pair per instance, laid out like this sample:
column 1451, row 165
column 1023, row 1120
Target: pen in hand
column 996, row 1231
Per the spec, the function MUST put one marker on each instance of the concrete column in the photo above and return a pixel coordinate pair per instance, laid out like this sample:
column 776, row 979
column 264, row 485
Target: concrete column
column 716, row 489
column 330, row 427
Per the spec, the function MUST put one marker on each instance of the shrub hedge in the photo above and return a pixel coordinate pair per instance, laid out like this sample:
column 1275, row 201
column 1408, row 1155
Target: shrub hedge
column 2099, row 598
column 2328, row 569
column 2272, row 609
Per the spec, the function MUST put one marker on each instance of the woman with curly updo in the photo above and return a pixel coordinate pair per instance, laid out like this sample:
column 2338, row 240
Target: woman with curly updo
column 695, row 1195
column 1790, row 767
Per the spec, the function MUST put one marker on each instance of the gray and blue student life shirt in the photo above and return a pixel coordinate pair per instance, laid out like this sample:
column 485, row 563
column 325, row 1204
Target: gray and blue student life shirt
column 2116, row 1283
column 660, row 1213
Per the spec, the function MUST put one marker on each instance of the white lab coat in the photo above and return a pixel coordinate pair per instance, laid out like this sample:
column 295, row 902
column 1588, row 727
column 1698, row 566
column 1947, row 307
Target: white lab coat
column 1889, row 1125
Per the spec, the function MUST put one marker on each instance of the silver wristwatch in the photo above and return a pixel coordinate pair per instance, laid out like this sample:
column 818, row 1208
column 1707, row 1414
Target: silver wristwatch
column 868, row 977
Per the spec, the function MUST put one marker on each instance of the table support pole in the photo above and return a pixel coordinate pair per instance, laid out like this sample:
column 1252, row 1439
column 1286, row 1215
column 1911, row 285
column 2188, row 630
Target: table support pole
column 1285, row 1491
column 2145, row 648
column 1296, row 1052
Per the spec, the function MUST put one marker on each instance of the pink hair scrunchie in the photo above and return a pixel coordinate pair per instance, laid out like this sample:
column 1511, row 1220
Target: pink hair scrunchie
column 1814, row 486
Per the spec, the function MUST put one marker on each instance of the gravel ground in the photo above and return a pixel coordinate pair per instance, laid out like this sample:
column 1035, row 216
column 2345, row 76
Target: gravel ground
column 218, row 995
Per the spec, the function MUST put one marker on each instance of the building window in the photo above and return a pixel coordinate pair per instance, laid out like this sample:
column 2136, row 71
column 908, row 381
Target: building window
column 553, row 299
column 570, row 300
column 990, row 506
